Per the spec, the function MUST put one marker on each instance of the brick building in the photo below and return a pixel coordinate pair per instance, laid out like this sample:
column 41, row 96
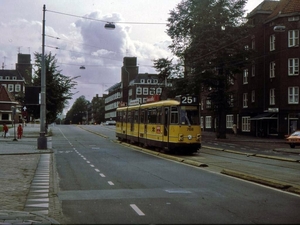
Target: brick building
column 267, row 93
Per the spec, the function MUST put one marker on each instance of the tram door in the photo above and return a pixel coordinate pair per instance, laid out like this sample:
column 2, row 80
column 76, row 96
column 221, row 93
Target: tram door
column 166, row 124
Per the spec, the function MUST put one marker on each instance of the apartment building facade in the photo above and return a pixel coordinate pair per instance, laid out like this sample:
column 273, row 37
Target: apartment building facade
column 266, row 101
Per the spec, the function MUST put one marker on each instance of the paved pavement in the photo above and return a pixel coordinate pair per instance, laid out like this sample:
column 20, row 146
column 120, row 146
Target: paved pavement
column 25, row 179
column 26, row 194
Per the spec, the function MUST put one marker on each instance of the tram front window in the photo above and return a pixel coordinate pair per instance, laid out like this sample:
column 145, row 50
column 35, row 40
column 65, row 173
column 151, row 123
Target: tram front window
column 189, row 115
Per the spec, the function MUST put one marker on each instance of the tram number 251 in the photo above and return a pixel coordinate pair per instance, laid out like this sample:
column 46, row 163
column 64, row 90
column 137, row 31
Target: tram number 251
column 187, row 100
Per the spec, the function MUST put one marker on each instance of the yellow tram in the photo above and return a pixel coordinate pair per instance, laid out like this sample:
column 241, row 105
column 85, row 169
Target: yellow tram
column 169, row 124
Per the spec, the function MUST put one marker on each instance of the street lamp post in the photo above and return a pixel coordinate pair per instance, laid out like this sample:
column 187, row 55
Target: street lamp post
column 42, row 140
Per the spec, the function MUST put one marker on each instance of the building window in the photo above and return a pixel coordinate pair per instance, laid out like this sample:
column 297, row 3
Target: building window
column 253, row 43
column 272, row 96
column 14, row 78
column 10, row 88
column 245, row 76
column 145, row 91
column 142, row 81
column 17, row 88
column 293, row 95
column 155, row 81
column 152, row 91
column 272, row 69
column 208, row 103
column 144, row 100
column 253, row 96
column 158, row 91
column 5, row 116
column 293, row 38
column 253, row 70
column 293, row 67
column 245, row 100
column 208, row 122
column 1, row 78
column 246, row 124
column 294, row 18
column 7, row 77
column 149, row 81
column 230, row 100
column 229, row 121
column 272, row 42
column 138, row 91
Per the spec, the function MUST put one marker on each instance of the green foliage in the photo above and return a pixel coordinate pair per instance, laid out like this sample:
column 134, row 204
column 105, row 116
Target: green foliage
column 98, row 107
column 208, row 36
column 58, row 87
column 78, row 111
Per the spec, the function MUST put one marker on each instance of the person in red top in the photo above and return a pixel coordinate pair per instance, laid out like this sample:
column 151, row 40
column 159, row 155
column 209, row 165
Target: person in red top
column 5, row 130
column 20, row 131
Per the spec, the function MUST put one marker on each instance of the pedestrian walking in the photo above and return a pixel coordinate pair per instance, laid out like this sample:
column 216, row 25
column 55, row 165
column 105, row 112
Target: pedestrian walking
column 5, row 130
column 20, row 131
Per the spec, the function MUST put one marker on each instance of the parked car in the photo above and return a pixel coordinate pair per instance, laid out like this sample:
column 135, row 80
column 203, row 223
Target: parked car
column 110, row 122
column 293, row 139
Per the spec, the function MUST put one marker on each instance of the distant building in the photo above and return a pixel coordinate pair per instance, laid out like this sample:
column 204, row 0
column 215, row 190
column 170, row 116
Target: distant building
column 133, row 88
column 7, row 101
column 14, row 81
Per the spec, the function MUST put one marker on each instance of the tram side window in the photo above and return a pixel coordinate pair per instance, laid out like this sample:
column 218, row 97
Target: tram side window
column 159, row 115
column 136, row 116
column 174, row 115
column 128, row 117
column 142, row 117
column 123, row 117
column 152, row 115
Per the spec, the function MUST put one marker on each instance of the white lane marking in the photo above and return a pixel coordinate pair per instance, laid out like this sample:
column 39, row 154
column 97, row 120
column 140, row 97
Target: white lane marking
column 84, row 158
column 88, row 161
column 92, row 165
column 102, row 175
column 110, row 183
column 97, row 170
column 137, row 210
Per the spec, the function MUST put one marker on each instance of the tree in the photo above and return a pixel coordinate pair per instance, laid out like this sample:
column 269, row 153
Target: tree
column 78, row 111
column 98, row 109
column 58, row 87
column 208, row 36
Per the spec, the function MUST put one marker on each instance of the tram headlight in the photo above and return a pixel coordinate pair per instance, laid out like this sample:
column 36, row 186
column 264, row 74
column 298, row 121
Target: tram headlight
column 190, row 137
column 180, row 137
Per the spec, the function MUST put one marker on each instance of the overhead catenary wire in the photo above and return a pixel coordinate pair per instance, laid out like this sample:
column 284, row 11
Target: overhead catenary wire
column 105, row 21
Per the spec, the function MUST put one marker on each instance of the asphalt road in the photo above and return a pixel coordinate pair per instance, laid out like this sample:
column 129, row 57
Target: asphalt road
column 101, row 181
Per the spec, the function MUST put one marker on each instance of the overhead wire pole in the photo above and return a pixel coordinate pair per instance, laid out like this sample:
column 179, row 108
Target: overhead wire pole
column 42, row 140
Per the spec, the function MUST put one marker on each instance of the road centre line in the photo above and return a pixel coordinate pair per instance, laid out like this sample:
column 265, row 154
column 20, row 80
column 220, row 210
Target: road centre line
column 92, row 165
column 137, row 210
column 102, row 175
column 97, row 170
column 110, row 183
column 88, row 162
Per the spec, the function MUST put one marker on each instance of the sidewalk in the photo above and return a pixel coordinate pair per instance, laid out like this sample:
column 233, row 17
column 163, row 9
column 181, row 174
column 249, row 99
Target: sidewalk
column 19, row 160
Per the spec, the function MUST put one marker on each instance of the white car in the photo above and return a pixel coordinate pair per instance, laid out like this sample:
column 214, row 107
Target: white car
column 110, row 122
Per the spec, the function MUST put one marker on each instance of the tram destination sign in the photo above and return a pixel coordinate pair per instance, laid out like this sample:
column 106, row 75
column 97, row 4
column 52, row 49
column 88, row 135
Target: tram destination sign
column 189, row 100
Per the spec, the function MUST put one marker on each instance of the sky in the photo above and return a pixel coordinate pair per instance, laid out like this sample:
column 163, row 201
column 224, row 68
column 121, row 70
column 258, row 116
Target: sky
column 77, row 41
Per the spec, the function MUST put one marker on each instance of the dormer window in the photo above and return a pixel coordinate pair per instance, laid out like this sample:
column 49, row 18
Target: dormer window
column 142, row 81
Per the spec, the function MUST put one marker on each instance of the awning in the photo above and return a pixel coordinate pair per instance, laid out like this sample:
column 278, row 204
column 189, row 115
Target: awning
column 265, row 116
